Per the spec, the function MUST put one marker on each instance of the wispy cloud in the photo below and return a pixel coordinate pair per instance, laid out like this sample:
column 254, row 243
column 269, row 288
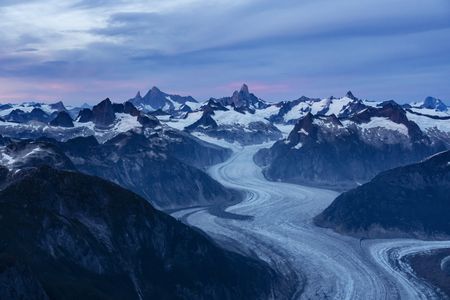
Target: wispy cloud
column 382, row 49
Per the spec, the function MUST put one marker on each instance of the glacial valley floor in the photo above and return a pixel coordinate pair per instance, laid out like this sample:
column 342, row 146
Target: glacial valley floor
column 321, row 263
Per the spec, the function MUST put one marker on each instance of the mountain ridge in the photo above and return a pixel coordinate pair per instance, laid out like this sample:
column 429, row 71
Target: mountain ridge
column 409, row 201
column 85, row 237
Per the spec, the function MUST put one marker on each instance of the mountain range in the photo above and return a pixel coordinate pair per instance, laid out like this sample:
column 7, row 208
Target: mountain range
column 66, row 235
column 84, row 191
column 337, row 142
column 409, row 201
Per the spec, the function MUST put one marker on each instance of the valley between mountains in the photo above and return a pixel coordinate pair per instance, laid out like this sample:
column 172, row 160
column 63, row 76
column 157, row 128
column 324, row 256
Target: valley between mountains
column 319, row 262
column 162, row 196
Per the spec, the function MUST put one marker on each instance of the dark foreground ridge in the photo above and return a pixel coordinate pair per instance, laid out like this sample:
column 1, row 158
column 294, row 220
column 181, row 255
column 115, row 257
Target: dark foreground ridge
column 66, row 235
column 408, row 201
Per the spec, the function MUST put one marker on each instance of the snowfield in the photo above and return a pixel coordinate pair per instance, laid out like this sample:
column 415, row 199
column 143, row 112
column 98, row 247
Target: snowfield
column 426, row 123
column 279, row 229
column 379, row 122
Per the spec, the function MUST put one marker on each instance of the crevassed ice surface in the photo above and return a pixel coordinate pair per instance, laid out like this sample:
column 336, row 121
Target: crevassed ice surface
column 322, row 263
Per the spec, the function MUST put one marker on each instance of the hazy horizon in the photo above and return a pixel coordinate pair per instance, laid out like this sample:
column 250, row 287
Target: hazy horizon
column 252, row 90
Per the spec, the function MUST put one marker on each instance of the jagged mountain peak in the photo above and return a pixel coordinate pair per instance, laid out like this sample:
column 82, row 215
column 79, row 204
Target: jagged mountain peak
column 244, row 88
column 62, row 119
column 156, row 99
column 58, row 106
column 106, row 101
column 350, row 95
column 85, row 105
column 434, row 103
column 153, row 91
column 138, row 95
column 244, row 99
column 103, row 113
column 388, row 103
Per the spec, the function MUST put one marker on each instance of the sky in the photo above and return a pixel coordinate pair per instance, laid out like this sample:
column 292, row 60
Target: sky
column 86, row 50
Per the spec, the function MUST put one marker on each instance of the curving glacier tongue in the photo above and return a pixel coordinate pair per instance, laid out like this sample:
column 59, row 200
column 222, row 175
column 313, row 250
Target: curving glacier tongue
column 320, row 263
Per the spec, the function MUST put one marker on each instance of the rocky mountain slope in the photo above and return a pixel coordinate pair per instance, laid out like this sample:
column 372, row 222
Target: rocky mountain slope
column 65, row 235
column 155, row 99
column 351, row 139
column 408, row 201
column 246, row 119
column 156, row 168
column 233, row 119
column 147, row 165
column 342, row 152
column 118, row 142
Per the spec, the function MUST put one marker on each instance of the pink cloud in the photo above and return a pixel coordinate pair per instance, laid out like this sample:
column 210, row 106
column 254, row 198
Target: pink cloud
column 16, row 91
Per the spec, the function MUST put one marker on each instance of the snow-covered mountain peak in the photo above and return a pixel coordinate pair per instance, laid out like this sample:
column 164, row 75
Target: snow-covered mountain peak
column 243, row 100
column 350, row 95
column 156, row 99
column 431, row 103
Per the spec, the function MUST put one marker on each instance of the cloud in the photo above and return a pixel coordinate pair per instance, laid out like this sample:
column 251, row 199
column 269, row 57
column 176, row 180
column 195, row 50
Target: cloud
column 284, row 48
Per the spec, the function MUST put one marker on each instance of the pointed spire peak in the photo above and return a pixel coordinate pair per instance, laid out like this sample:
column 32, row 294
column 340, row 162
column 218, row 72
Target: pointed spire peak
column 107, row 101
column 153, row 92
column 138, row 95
column 350, row 95
column 244, row 89
column 155, row 89
column 57, row 105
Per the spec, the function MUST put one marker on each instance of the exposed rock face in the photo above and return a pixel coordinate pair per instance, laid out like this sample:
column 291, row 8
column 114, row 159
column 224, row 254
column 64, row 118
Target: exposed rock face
column 290, row 111
column 63, row 119
column 253, row 133
column 23, row 154
column 195, row 152
column 19, row 116
column 156, row 99
column 130, row 109
column 433, row 103
column 127, row 108
column 233, row 119
column 85, row 115
column 323, row 150
column 206, row 122
column 84, row 238
column 148, row 120
column 351, row 96
column 163, row 166
column 158, row 112
column 243, row 99
column 39, row 115
column 17, row 281
column 58, row 106
column 286, row 106
column 103, row 113
column 162, row 173
column 407, row 201
column 117, row 107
